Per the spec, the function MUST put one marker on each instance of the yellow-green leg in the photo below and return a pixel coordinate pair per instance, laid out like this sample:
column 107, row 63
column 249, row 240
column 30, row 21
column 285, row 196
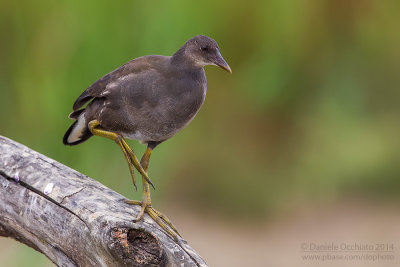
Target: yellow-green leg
column 130, row 157
column 128, row 153
column 157, row 216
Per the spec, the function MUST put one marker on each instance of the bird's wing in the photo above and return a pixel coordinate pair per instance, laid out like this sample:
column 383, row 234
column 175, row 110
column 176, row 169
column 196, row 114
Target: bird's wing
column 101, row 86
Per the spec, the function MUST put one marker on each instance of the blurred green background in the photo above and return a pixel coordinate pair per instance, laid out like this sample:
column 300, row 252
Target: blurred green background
column 310, row 113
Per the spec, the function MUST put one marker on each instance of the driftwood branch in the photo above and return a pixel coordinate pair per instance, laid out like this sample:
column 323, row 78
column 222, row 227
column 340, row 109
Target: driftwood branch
column 76, row 221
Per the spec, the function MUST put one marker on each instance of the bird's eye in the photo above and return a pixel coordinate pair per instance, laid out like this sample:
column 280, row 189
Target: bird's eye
column 204, row 48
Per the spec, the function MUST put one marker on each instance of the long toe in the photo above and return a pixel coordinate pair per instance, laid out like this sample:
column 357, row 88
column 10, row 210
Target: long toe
column 167, row 221
column 157, row 216
column 132, row 202
column 142, row 209
column 163, row 222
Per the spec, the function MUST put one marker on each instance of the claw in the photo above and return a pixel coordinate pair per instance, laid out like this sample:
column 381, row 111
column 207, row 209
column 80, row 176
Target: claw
column 148, row 180
column 133, row 179
column 141, row 213
column 157, row 216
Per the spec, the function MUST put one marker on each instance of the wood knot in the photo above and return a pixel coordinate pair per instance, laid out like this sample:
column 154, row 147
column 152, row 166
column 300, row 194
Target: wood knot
column 136, row 247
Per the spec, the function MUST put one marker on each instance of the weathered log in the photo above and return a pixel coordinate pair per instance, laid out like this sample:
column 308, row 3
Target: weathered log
column 76, row 221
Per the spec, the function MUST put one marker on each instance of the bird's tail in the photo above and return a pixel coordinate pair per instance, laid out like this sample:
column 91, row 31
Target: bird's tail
column 79, row 131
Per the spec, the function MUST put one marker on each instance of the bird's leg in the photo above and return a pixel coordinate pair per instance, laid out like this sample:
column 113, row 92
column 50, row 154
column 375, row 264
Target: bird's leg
column 157, row 216
column 128, row 153
column 132, row 155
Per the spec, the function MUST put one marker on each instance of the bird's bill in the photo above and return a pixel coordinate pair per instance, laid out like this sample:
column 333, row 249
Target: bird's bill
column 220, row 62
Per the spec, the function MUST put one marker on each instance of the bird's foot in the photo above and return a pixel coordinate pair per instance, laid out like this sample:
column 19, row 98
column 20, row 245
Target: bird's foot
column 157, row 216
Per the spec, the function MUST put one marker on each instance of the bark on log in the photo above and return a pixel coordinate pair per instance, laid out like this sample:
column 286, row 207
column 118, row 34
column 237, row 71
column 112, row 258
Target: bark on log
column 76, row 221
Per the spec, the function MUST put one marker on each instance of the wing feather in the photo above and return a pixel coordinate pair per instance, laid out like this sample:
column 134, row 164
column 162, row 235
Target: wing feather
column 99, row 88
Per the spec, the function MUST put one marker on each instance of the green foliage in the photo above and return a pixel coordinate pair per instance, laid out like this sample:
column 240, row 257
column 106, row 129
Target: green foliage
column 311, row 110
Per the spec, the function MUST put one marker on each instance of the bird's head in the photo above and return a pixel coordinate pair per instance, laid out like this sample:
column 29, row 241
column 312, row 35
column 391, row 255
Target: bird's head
column 203, row 51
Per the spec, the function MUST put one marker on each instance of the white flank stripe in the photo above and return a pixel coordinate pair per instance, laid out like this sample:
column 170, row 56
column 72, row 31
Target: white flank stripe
column 77, row 132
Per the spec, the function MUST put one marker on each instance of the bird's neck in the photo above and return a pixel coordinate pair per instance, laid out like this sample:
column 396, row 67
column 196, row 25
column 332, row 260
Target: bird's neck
column 183, row 62
column 179, row 55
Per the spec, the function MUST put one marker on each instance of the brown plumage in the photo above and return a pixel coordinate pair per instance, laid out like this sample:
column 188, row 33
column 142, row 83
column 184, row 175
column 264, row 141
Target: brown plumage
column 149, row 98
